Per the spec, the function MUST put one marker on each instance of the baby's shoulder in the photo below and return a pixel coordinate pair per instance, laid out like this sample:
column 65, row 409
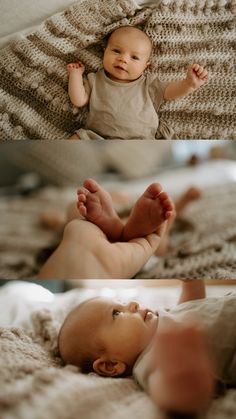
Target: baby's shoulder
column 151, row 78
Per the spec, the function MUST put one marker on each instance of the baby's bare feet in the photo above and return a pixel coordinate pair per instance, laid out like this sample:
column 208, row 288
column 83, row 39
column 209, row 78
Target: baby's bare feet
column 182, row 379
column 95, row 204
column 149, row 213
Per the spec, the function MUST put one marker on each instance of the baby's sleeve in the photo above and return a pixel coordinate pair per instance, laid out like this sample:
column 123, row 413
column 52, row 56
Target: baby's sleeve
column 90, row 79
column 156, row 90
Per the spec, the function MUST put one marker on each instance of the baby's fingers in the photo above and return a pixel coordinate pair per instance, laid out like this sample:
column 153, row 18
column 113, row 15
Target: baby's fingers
column 195, row 67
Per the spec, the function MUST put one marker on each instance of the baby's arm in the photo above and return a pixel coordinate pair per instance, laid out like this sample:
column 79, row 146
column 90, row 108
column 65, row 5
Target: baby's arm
column 192, row 290
column 196, row 76
column 79, row 96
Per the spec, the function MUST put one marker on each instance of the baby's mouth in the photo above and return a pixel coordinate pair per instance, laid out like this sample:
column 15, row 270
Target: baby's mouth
column 147, row 315
column 118, row 67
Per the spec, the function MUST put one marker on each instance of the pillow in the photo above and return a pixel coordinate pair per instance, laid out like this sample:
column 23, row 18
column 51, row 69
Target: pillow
column 136, row 159
column 68, row 163
column 63, row 163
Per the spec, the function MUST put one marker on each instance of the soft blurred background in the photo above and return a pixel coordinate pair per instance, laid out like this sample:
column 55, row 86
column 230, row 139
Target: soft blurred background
column 42, row 176
column 66, row 163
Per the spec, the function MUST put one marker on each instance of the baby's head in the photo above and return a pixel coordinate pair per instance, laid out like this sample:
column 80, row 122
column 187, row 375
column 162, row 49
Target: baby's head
column 127, row 54
column 106, row 336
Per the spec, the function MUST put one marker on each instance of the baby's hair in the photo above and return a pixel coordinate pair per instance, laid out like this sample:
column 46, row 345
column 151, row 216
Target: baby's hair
column 107, row 37
column 76, row 353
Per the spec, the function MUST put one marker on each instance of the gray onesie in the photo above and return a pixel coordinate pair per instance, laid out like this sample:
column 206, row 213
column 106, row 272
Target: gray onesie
column 122, row 110
column 218, row 318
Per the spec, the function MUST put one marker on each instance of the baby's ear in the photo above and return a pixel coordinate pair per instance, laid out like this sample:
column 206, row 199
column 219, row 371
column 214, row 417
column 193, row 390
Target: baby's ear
column 108, row 368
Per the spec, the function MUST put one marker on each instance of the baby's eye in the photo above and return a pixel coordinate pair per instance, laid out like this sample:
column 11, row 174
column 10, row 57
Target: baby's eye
column 115, row 313
column 135, row 57
column 116, row 50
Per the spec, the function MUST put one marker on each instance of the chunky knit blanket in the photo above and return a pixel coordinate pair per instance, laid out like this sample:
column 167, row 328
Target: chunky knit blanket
column 203, row 241
column 35, row 384
column 34, row 102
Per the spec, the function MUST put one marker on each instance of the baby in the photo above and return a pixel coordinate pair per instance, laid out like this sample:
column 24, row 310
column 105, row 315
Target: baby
column 176, row 359
column 123, row 102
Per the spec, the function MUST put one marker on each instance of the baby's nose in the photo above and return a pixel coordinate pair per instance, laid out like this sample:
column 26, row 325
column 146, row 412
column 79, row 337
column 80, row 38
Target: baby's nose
column 123, row 58
column 133, row 306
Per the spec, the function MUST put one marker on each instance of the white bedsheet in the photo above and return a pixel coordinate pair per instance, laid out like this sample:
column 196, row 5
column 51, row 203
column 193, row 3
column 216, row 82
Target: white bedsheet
column 175, row 181
column 19, row 18
column 19, row 299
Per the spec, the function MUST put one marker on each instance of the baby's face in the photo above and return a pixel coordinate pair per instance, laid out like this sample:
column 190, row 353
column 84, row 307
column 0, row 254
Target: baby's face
column 124, row 329
column 127, row 54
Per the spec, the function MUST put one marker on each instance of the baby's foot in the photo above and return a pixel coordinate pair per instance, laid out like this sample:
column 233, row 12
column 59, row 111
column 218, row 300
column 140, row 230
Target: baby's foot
column 192, row 194
column 95, row 204
column 182, row 379
column 79, row 67
column 149, row 213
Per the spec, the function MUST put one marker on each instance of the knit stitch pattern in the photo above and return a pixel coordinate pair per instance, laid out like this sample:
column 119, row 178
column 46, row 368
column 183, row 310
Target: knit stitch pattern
column 34, row 102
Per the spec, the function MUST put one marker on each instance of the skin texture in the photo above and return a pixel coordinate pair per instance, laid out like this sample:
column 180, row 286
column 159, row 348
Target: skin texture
column 78, row 257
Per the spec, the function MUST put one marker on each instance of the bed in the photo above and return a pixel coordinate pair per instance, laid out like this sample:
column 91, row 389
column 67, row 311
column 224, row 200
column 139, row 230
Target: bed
column 34, row 382
column 34, row 102
column 203, row 241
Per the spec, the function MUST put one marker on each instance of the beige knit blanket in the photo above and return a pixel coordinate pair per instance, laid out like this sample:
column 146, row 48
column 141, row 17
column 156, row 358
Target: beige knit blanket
column 203, row 241
column 34, row 383
column 34, row 102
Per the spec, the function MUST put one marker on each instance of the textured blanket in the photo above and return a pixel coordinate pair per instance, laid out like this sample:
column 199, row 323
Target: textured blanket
column 34, row 103
column 35, row 384
column 203, row 241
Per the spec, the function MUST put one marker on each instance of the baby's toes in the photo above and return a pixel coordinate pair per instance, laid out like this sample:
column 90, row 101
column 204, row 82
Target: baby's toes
column 82, row 209
column 167, row 207
column 82, row 190
column 82, row 197
column 163, row 196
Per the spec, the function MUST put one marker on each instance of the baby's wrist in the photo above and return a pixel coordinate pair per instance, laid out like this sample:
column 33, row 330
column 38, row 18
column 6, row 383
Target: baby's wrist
column 189, row 85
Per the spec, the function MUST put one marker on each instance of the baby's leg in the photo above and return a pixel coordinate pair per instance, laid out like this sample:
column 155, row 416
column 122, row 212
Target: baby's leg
column 149, row 213
column 57, row 219
column 182, row 380
column 95, row 204
column 192, row 194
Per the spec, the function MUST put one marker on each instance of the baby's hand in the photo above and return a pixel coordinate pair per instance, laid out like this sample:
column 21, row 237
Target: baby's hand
column 196, row 76
column 79, row 67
